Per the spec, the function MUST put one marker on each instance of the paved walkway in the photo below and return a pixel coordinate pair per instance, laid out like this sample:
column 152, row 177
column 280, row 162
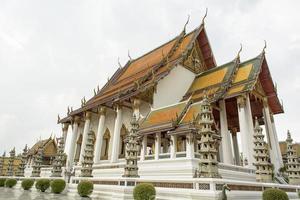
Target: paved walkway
column 20, row 194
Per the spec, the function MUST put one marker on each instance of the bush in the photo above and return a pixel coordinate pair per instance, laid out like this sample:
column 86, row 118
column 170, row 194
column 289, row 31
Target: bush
column 27, row 184
column 85, row 188
column 2, row 182
column 275, row 194
column 144, row 191
column 57, row 186
column 10, row 182
column 42, row 184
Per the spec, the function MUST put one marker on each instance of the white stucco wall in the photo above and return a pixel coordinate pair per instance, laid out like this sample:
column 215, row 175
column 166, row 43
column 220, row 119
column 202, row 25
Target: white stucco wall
column 171, row 89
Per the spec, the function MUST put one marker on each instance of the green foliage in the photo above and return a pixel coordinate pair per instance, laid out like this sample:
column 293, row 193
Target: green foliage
column 85, row 188
column 27, row 183
column 275, row 194
column 57, row 186
column 144, row 191
column 2, row 182
column 10, row 182
column 42, row 184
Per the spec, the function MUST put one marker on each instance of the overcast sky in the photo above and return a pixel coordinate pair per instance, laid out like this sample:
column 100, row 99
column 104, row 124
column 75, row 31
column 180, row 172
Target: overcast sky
column 54, row 52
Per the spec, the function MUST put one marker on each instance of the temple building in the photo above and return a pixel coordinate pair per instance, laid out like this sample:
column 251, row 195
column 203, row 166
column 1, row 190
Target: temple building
column 176, row 119
column 164, row 87
column 5, row 164
column 49, row 147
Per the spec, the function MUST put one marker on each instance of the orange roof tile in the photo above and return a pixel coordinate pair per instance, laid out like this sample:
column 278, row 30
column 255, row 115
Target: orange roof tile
column 192, row 112
column 164, row 115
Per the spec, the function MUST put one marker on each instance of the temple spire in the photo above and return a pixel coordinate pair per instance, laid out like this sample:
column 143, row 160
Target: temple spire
column 38, row 159
column 22, row 165
column 208, row 164
column 293, row 166
column 88, row 157
column 131, row 168
column 262, row 161
column 10, row 168
column 59, row 159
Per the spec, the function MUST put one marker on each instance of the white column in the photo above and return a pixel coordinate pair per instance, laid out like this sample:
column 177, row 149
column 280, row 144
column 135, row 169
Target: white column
column 65, row 127
column 277, row 141
column 226, row 142
column 116, row 136
column 100, row 132
column 136, row 107
column 71, row 150
column 275, row 158
column 85, row 134
column 190, row 151
column 173, row 148
column 251, row 131
column 241, row 101
column 235, row 147
column 144, row 148
column 157, row 145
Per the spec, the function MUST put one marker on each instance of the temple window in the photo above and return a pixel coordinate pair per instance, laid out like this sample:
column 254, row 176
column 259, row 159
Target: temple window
column 105, row 145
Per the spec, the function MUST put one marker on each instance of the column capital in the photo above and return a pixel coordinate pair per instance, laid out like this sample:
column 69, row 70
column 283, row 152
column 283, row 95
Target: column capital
column 76, row 119
column 88, row 115
column 102, row 110
column 136, row 102
column 65, row 126
column 241, row 101
column 265, row 102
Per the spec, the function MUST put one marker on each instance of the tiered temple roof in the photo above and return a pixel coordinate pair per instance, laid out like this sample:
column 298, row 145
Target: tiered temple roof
column 226, row 81
column 144, row 72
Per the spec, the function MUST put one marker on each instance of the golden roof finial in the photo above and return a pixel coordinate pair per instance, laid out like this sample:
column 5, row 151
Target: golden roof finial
column 206, row 11
column 186, row 23
column 129, row 56
column 120, row 66
column 239, row 52
column 58, row 118
column 265, row 46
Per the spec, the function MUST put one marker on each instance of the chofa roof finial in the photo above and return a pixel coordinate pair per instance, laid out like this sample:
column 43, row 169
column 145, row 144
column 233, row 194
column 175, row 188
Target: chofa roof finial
column 203, row 19
column 265, row 46
column 186, row 23
column 120, row 66
column 239, row 52
column 129, row 56
column 58, row 118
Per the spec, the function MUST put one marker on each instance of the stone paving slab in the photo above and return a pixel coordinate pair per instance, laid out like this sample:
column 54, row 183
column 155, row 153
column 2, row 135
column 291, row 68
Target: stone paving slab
column 19, row 194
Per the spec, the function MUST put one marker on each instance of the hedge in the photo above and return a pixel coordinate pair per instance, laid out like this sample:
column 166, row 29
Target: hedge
column 275, row 194
column 27, row 183
column 10, row 182
column 2, row 182
column 144, row 191
column 42, row 184
column 57, row 186
column 85, row 188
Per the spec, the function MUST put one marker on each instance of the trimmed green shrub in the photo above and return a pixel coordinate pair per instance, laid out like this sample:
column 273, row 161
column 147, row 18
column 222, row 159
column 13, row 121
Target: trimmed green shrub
column 275, row 194
column 10, row 182
column 42, row 184
column 144, row 191
column 27, row 183
column 2, row 182
column 85, row 188
column 57, row 186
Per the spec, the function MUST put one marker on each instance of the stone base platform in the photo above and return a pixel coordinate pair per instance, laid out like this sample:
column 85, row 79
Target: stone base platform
column 182, row 189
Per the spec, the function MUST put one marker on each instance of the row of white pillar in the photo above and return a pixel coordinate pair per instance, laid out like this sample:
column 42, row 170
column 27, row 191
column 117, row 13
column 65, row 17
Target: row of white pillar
column 228, row 155
column 99, row 134
column 246, row 133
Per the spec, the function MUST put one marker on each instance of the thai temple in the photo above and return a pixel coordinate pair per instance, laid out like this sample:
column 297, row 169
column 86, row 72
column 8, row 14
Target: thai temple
column 172, row 117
